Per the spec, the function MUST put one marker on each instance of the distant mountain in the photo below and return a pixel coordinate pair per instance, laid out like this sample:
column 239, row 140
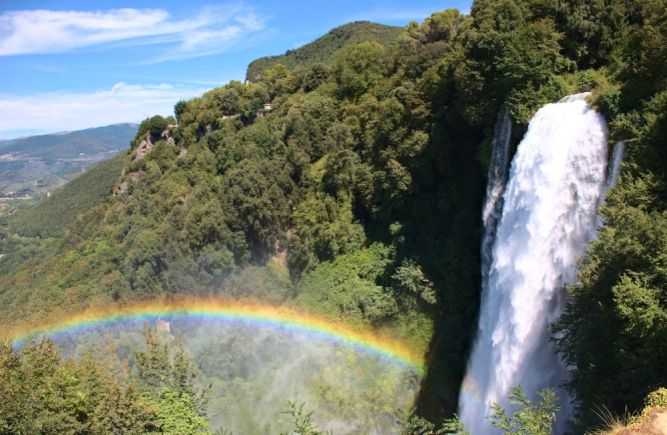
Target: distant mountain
column 324, row 49
column 38, row 164
column 50, row 216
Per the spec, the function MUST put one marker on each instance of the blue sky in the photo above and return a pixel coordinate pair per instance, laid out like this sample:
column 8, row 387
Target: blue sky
column 68, row 65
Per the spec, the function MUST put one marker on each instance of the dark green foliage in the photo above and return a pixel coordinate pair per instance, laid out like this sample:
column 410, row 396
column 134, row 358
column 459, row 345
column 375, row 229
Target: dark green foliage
column 318, row 74
column 323, row 228
column 614, row 327
column 359, row 68
column 618, row 315
column 257, row 199
column 511, row 51
column 152, row 128
column 593, row 29
column 411, row 279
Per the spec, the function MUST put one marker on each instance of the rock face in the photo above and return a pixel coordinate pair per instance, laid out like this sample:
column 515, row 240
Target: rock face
column 144, row 147
column 654, row 423
column 137, row 154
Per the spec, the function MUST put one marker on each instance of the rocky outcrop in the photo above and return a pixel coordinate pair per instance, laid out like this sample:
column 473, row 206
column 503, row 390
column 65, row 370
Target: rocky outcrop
column 653, row 423
column 144, row 147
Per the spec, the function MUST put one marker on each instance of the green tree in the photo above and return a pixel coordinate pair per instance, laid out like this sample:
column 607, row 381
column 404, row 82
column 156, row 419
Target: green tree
column 153, row 126
column 44, row 394
column 301, row 420
column 359, row 68
column 530, row 418
column 316, row 75
column 323, row 228
column 176, row 415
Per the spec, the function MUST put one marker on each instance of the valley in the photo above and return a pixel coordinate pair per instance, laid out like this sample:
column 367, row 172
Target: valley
column 380, row 231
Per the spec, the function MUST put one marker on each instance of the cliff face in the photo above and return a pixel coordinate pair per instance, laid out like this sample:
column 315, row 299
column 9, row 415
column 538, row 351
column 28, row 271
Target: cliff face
column 653, row 423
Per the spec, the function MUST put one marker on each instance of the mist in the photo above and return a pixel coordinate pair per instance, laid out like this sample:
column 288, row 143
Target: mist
column 254, row 370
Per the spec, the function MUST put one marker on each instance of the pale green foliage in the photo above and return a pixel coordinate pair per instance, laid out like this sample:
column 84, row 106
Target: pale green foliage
column 164, row 369
column 346, row 287
column 529, row 418
column 302, row 421
column 412, row 424
column 176, row 415
column 657, row 398
column 42, row 393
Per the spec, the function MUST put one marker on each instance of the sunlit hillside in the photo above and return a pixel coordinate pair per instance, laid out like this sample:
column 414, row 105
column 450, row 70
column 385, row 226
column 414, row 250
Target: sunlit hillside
column 452, row 222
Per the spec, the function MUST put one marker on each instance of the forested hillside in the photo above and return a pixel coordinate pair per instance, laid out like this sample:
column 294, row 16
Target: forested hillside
column 51, row 216
column 325, row 49
column 357, row 192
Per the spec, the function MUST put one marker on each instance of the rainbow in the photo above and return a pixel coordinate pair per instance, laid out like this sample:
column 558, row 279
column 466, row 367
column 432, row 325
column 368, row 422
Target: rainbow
column 249, row 313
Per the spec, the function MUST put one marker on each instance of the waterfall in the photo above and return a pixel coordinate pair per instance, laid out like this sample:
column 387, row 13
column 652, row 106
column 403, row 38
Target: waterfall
column 497, row 177
column 615, row 167
column 548, row 216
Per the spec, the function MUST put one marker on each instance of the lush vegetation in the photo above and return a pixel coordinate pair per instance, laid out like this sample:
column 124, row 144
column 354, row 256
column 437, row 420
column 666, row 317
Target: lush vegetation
column 44, row 393
column 615, row 327
column 357, row 193
column 156, row 391
column 324, row 49
column 51, row 216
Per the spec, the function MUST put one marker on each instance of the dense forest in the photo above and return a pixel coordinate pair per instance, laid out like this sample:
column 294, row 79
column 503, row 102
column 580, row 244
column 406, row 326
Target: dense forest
column 323, row 50
column 353, row 188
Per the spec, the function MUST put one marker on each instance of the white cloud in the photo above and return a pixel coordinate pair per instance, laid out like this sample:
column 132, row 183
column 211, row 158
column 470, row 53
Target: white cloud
column 391, row 15
column 212, row 30
column 59, row 111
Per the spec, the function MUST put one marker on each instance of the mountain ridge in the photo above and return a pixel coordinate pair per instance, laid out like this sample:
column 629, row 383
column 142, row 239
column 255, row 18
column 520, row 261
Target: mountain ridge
column 34, row 165
column 324, row 48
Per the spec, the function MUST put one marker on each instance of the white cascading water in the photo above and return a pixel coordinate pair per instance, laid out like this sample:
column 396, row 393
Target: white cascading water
column 614, row 169
column 548, row 216
column 495, row 186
